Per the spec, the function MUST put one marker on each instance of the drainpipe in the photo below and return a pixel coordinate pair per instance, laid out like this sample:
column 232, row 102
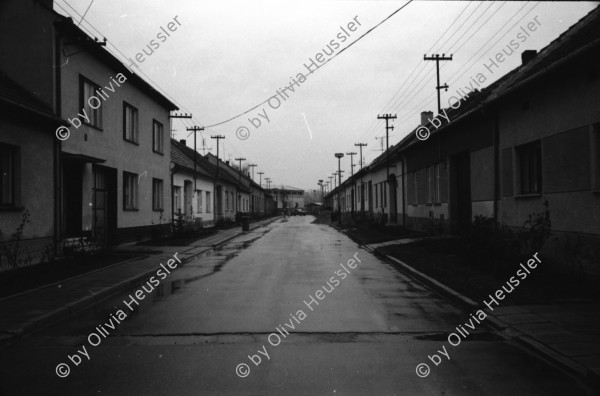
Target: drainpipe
column 403, row 197
column 496, row 137
column 173, row 171
column 57, row 151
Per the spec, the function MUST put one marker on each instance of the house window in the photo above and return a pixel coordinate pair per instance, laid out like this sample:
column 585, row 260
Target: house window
column 530, row 168
column 8, row 174
column 199, row 201
column 90, row 104
column 130, row 123
column 157, row 137
column 226, row 200
column 428, row 186
column 436, row 170
column 376, row 196
column 415, row 187
column 177, row 199
column 157, row 194
column 130, row 193
column 208, row 205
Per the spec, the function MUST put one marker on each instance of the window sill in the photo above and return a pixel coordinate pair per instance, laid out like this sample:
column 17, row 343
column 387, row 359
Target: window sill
column 131, row 210
column 154, row 210
column 93, row 126
column 11, row 208
column 525, row 196
column 131, row 141
column 158, row 152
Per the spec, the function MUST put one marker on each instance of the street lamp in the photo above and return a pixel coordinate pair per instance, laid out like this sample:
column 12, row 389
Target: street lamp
column 322, row 196
column 339, row 156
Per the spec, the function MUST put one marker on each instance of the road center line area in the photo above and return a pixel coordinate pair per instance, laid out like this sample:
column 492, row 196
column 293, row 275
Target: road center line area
column 219, row 309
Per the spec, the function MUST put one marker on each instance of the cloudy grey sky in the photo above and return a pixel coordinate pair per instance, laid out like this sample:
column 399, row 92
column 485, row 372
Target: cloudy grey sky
column 229, row 56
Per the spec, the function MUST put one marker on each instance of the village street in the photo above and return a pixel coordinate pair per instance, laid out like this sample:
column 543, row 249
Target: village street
column 289, row 308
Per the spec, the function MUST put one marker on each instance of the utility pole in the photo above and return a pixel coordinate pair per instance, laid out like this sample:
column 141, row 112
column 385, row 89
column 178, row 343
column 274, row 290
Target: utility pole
column 218, row 137
column 260, row 175
column 252, row 166
column 195, row 129
column 361, row 145
column 339, row 156
column 239, row 198
column 351, row 154
column 437, row 58
column 388, row 127
column 268, row 181
column 204, row 148
column 321, row 184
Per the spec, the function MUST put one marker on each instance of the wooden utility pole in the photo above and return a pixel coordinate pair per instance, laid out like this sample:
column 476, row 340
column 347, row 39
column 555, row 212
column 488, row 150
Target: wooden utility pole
column 351, row 154
column 195, row 129
column 388, row 127
column 218, row 137
column 260, row 175
column 361, row 145
column 239, row 200
column 437, row 58
column 252, row 166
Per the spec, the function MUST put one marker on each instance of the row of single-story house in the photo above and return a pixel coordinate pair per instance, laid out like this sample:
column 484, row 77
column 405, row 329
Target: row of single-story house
column 531, row 137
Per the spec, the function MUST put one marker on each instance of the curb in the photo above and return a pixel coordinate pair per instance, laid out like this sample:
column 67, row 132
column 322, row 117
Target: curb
column 88, row 301
column 509, row 333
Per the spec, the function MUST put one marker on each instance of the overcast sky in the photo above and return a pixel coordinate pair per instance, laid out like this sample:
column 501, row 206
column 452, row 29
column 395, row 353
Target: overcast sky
column 229, row 56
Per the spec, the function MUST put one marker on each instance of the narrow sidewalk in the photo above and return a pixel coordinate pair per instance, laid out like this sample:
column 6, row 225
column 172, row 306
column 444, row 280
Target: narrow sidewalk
column 25, row 312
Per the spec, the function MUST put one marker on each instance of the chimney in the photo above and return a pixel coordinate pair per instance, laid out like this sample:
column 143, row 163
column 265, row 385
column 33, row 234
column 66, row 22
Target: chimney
column 227, row 162
column 426, row 116
column 182, row 141
column 527, row 56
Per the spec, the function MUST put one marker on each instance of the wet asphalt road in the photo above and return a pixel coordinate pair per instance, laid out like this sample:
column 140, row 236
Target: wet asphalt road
column 366, row 335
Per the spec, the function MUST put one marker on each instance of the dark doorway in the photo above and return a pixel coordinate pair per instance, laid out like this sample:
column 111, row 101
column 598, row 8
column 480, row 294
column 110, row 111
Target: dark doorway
column 104, row 205
column 460, row 190
column 392, row 183
column 72, row 197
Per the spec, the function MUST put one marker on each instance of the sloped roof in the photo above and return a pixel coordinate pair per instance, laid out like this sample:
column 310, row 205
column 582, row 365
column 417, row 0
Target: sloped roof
column 181, row 156
column 184, row 156
column 582, row 36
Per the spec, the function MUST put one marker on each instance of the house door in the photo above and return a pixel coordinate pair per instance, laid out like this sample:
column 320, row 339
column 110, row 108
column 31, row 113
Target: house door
column 187, row 198
column 392, row 183
column 72, row 197
column 460, row 190
column 104, row 195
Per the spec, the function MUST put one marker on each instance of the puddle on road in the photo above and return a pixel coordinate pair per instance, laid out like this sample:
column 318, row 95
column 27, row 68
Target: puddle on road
column 80, row 324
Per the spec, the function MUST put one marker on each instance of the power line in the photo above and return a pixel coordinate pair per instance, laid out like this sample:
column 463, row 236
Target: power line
column 326, row 62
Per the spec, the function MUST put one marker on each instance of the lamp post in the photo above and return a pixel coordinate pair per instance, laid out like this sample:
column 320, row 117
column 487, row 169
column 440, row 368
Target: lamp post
column 339, row 156
column 322, row 196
